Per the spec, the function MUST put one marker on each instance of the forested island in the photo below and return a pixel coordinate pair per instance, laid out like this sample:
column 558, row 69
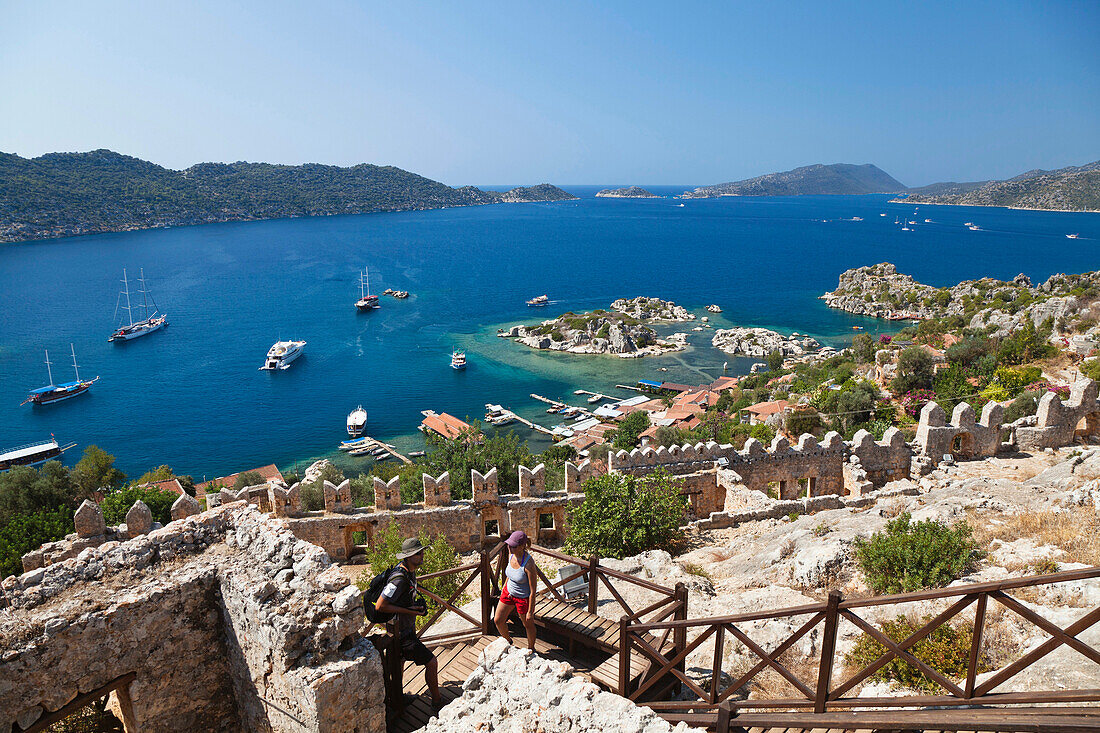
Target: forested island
column 67, row 194
column 1076, row 188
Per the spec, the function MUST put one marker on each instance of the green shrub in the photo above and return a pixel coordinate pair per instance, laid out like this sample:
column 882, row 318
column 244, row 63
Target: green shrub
column 909, row 556
column 624, row 515
column 946, row 650
column 119, row 502
column 246, row 479
column 439, row 555
column 1023, row 406
column 25, row 532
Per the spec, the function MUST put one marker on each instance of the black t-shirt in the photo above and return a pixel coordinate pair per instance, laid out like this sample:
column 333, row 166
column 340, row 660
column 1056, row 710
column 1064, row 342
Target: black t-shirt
column 400, row 590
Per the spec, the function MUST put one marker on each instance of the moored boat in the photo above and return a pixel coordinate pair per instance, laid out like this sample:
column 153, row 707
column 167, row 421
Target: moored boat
column 135, row 329
column 282, row 354
column 458, row 360
column 357, row 421
column 366, row 301
column 538, row 301
column 58, row 392
column 346, row 445
column 32, row 454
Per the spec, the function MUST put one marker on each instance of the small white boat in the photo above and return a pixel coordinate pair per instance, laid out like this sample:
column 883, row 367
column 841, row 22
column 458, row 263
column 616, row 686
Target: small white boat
column 1073, row 236
column 357, row 421
column 458, row 360
column 417, row 453
column 680, row 206
column 347, row 445
column 968, row 223
column 927, row 221
column 974, row 228
column 363, row 451
column 539, row 301
column 882, row 214
column 594, row 399
column 283, row 354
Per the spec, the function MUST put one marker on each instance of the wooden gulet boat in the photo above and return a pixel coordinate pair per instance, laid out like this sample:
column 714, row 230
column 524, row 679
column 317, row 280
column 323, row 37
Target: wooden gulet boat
column 57, row 392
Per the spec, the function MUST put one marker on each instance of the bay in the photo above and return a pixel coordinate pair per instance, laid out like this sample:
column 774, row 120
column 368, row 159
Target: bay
column 192, row 397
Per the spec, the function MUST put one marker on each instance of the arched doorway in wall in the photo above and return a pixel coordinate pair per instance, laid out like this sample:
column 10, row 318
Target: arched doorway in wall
column 962, row 447
column 1088, row 428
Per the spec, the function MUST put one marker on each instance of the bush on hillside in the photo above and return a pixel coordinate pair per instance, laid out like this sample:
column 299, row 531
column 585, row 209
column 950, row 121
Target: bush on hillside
column 908, row 556
column 946, row 650
column 117, row 503
column 624, row 515
column 24, row 532
column 439, row 555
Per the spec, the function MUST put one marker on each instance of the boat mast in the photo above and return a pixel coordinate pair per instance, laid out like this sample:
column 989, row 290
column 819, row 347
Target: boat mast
column 75, row 367
column 48, row 370
column 367, row 270
column 362, row 293
column 144, row 295
column 126, row 291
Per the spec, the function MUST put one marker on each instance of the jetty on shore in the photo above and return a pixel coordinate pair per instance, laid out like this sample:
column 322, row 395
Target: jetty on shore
column 373, row 444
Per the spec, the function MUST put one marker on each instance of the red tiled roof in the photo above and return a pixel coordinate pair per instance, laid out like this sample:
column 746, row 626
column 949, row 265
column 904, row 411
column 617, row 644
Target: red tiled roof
column 768, row 408
column 268, row 472
column 446, row 425
column 723, row 383
column 171, row 484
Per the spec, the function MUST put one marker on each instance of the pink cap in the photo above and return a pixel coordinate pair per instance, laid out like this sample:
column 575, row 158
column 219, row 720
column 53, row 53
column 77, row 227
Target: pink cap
column 517, row 538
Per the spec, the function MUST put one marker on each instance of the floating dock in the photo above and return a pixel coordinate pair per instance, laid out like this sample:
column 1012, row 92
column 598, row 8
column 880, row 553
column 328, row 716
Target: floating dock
column 628, row 386
column 532, row 425
column 373, row 443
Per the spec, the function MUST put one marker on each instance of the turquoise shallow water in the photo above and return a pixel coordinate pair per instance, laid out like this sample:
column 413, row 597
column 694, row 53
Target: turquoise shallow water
column 192, row 397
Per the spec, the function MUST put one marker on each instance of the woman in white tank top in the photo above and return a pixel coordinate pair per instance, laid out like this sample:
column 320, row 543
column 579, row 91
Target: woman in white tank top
column 519, row 588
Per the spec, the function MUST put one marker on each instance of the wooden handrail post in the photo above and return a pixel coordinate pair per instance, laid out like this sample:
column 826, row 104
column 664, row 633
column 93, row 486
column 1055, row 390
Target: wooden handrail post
column 679, row 635
column 393, row 668
column 486, row 595
column 593, row 588
column 624, row 656
column 716, row 671
column 975, row 645
column 724, row 715
column 828, row 648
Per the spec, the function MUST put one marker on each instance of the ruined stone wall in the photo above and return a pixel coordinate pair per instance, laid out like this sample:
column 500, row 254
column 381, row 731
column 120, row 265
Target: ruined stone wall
column 1056, row 424
column 467, row 524
column 1057, row 421
column 227, row 620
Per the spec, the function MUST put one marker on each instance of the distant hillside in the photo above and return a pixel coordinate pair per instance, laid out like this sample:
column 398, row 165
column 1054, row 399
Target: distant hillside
column 65, row 194
column 838, row 178
column 1067, row 189
column 630, row 192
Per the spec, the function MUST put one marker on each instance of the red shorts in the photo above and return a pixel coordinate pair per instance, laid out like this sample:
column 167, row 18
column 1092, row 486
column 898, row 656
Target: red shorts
column 521, row 604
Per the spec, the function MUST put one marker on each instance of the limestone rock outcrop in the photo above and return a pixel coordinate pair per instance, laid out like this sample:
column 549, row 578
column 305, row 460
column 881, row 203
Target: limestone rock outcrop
column 514, row 691
column 652, row 309
column 761, row 342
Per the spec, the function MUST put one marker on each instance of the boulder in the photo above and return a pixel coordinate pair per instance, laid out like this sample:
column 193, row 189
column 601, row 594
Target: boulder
column 88, row 520
column 139, row 520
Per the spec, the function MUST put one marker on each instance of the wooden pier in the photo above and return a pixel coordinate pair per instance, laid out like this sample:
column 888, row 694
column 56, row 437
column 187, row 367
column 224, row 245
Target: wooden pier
column 373, row 443
column 601, row 395
column 559, row 405
column 532, row 425
column 628, row 386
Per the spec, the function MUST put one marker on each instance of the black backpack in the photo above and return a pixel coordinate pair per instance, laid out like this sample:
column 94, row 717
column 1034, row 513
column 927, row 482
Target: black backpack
column 373, row 593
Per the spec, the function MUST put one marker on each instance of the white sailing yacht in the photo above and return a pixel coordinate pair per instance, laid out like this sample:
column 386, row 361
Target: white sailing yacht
column 357, row 421
column 366, row 301
column 134, row 329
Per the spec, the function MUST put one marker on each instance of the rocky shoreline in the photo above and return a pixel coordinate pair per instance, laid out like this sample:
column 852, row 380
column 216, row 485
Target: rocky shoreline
column 761, row 342
column 880, row 291
column 620, row 332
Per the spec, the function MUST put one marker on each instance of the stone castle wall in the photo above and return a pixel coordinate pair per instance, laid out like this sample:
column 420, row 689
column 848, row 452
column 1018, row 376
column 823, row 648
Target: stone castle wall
column 468, row 524
column 1056, row 424
column 227, row 620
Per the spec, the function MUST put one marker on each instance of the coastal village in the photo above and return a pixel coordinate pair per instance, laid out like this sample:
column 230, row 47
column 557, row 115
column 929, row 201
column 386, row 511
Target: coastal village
column 982, row 412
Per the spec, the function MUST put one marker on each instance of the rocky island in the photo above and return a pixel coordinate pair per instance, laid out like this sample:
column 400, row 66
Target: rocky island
column 837, row 178
column 630, row 192
column 761, row 342
column 880, row 291
column 620, row 331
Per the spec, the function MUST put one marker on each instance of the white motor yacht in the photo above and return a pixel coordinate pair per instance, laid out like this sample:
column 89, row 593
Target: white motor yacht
column 282, row 354
column 357, row 421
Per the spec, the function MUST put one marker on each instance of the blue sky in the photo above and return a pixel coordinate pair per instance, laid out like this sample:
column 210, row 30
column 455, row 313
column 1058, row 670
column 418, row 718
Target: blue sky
column 575, row 92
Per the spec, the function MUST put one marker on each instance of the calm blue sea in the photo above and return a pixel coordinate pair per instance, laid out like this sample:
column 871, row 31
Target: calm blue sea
column 192, row 397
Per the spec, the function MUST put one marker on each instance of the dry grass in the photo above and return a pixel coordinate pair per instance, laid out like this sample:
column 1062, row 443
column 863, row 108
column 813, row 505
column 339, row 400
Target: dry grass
column 1077, row 533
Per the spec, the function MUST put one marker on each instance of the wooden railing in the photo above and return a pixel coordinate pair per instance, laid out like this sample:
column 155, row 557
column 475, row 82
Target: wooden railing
column 823, row 694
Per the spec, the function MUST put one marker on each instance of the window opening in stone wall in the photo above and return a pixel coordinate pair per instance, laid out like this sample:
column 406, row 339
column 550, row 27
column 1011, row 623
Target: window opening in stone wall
column 772, row 489
column 546, row 521
column 492, row 528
